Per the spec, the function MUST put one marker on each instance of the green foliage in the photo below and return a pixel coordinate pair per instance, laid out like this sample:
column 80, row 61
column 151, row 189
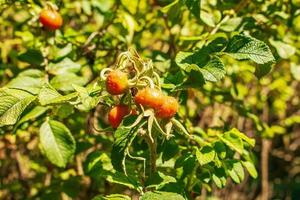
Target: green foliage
column 112, row 197
column 123, row 139
column 161, row 195
column 13, row 103
column 57, row 142
column 233, row 66
column 244, row 47
column 205, row 155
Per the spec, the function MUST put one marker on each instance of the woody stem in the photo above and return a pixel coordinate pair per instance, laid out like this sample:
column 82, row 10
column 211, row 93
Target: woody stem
column 153, row 154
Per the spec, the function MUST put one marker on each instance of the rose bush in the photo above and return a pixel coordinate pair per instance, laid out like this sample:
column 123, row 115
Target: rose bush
column 139, row 99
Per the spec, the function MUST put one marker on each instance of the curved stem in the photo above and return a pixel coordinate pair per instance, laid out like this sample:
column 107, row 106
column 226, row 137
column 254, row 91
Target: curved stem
column 102, row 73
column 149, row 80
column 90, row 38
column 138, row 158
column 225, row 19
column 51, row 6
column 157, row 79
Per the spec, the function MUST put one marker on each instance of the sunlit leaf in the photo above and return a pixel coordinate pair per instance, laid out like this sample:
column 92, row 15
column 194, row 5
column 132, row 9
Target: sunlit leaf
column 205, row 155
column 243, row 47
column 57, row 142
column 12, row 103
column 159, row 195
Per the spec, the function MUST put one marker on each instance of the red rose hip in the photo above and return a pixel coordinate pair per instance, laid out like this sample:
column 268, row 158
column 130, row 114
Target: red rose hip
column 168, row 109
column 116, row 115
column 149, row 97
column 51, row 19
column 116, row 82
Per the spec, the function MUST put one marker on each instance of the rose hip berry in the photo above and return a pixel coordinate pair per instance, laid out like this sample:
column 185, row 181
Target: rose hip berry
column 149, row 97
column 116, row 115
column 116, row 82
column 51, row 19
column 168, row 109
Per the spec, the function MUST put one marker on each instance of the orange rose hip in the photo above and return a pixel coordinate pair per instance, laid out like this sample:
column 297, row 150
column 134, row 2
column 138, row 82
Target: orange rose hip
column 116, row 82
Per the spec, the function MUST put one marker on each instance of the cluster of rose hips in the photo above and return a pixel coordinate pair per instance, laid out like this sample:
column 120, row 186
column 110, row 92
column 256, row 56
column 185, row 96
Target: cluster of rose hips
column 164, row 106
column 148, row 96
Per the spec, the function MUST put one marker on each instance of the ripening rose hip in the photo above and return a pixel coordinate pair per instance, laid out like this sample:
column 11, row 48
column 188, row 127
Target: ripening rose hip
column 168, row 109
column 149, row 97
column 116, row 115
column 51, row 19
column 116, row 82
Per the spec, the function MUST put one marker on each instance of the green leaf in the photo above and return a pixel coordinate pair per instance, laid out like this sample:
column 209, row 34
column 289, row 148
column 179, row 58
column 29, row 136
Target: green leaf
column 185, row 59
column 219, row 177
column 169, row 6
column 63, row 67
column 26, row 36
column 216, row 45
column 214, row 70
column 64, row 99
column 295, row 70
column 294, row 119
column 211, row 68
column 284, row 50
column 250, row 168
column 173, row 10
column 262, row 70
column 220, row 149
column 63, row 52
column 112, row 197
column 64, row 82
column 204, row 175
column 129, row 23
column 97, row 164
column 207, row 18
column 187, row 161
column 103, row 5
column 88, row 102
column 57, row 142
column 159, row 180
column 86, row 7
column 26, row 81
column 122, row 179
column 235, row 170
column 231, row 24
column 244, row 137
column 98, row 197
column 233, row 141
column 195, row 80
column 179, row 127
column 46, row 94
column 123, row 138
column 243, row 47
column 170, row 149
column 34, row 73
column 71, row 186
column 64, row 110
column 33, row 114
column 130, row 5
column 160, row 195
column 12, row 103
column 194, row 6
column 205, row 155
column 32, row 56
